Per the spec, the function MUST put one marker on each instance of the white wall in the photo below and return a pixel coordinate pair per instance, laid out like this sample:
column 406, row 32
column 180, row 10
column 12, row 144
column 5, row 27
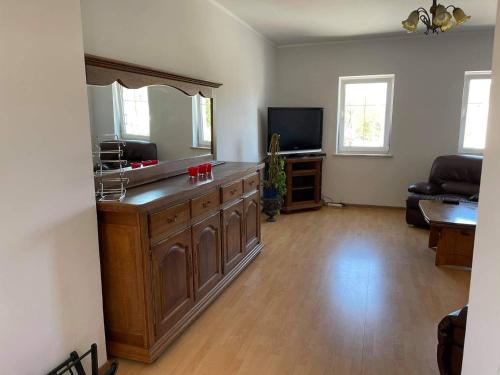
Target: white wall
column 50, row 285
column 428, row 95
column 482, row 348
column 195, row 38
column 171, row 113
column 102, row 119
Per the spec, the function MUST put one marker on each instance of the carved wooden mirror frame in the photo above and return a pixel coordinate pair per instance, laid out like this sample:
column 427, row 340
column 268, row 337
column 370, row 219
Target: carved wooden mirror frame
column 102, row 71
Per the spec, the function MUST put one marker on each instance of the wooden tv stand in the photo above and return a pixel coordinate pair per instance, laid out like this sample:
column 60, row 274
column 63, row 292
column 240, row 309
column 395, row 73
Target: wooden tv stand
column 303, row 183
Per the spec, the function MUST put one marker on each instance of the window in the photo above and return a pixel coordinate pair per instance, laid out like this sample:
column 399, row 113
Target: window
column 202, row 122
column 131, row 108
column 365, row 114
column 475, row 108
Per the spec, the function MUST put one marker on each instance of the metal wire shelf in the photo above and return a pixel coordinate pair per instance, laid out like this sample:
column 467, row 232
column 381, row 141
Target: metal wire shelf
column 104, row 193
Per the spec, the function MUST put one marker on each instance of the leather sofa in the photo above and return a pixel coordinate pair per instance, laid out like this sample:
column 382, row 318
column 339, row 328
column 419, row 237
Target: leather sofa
column 133, row 151
column 452, row 177
column 451, row 337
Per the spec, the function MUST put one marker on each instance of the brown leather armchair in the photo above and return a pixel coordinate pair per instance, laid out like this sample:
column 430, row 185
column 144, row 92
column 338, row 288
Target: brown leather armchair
column 451, row 337
column 455, row 177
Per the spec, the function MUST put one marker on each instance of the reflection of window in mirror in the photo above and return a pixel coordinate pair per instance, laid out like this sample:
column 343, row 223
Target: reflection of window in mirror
column 202, row 122
column 131, row 111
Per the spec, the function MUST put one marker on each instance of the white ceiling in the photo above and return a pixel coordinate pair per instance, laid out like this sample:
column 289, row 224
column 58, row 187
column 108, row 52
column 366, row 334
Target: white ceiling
column 304, row 21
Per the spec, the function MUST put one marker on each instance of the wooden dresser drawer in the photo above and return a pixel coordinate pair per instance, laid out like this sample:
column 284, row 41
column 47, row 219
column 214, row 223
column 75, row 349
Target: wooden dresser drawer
column 232, row 191
column 205, row 204
column 251, row 183
column 168, row 220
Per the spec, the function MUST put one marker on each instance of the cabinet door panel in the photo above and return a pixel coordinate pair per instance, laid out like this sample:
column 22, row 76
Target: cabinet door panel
column 172, row 280
column 252, row 221
column 233, row 235
column 207, row 255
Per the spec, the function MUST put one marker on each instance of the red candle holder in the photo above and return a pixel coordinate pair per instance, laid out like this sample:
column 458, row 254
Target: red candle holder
column 135, row 165
column 147, row 163
column 193, row 172
column 202, row 169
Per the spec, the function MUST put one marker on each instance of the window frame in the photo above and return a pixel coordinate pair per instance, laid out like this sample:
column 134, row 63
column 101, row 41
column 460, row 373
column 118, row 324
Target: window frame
column 198, row 141
column 378, row 151
column 118, row 114
column 468, row 77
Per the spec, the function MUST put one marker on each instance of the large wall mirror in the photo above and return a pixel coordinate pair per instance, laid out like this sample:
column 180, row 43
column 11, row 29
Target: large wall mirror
column 165, row 122
column 161, row 116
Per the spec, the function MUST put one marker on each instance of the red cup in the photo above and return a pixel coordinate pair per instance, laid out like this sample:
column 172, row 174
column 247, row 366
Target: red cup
column 193, row 172
column 202, row 169
column 135, row 165
column 147, row 163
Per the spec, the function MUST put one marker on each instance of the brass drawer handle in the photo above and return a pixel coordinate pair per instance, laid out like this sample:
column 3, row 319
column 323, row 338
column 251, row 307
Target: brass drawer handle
column 206, row 204
column 172, row 220
column 234, row 191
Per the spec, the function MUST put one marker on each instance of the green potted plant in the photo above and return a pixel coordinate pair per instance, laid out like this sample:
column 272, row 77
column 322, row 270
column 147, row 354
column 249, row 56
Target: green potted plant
column 275, row 182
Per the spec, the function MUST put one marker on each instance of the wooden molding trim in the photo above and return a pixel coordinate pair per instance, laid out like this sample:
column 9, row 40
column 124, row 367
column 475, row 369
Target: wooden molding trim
column 103, row 71
column 103, row 62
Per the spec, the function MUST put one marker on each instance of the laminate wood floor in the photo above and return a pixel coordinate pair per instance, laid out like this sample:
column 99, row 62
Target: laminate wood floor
column 335, row 291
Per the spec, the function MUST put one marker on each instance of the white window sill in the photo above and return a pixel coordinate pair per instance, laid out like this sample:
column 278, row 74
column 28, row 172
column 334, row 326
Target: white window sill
column 358, row 154
column 201, row 148
column 131, row 137
column 469, row 152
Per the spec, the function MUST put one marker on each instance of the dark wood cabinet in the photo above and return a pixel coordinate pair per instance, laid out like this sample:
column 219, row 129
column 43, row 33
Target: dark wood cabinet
column 303, row 183
column 251, row 204
column 207, row 255
column 173, row 294
column 233, row 242
column 168, row 249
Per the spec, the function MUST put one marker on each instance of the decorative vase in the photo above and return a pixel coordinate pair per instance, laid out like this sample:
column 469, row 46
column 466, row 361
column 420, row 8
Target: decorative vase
column 272, row 203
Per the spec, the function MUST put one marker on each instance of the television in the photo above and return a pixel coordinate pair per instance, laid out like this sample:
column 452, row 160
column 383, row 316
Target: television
column 300, row 129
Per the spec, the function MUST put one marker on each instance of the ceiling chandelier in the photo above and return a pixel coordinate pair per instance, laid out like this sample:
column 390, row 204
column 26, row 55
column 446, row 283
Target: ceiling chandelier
column 437, row 19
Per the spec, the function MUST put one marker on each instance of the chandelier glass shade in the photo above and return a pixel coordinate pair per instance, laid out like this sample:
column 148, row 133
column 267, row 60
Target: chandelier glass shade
column 437, row 19
column 460, row 16
column 442, row 17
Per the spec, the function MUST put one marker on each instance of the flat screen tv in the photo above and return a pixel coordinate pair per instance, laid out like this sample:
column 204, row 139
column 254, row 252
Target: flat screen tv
column 300, row 129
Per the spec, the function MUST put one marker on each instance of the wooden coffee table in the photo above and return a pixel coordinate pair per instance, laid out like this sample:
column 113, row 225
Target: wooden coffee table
column 453, row 228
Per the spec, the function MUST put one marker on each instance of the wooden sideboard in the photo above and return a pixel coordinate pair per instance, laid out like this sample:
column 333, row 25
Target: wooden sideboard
column 169, row 249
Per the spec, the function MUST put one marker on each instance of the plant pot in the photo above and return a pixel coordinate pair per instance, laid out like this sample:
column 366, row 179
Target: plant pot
column 272, row 203
column 271, row 193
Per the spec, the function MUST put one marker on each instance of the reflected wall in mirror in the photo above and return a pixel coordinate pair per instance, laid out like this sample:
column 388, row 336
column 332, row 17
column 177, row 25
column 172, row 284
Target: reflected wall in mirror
column 160, row 118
